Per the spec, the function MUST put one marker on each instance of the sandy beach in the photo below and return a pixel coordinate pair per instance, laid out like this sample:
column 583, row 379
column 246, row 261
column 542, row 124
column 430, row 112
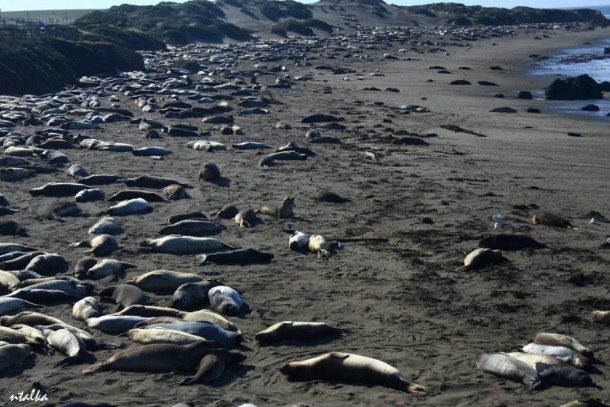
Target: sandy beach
column 397, row 295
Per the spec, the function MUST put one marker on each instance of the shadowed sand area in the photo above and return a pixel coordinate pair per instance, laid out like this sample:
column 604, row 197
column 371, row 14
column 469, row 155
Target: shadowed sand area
column 400, row 300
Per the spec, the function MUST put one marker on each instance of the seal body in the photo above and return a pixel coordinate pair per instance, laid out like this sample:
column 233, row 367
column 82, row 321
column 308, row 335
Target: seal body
column 86, row 308
column 510, row 368
column 90, row 195
column 58, row 189
column 553, row 370
column 207, row 330
column 317, row 244
column 246, row 218
column 192, row 227
column 295, row 330
column 13, row 355
column 155, row 358
column 130, row 207
column 298, row 241
column 174, row 192
column 163, row 281
column 125, row 295
column 101, row 245
column 550, row 219
column 106, row 225
column 325, row 195
column 162, row 335
column 237, row 256
column 127, row 194
column 190, row 295
column 176, row 244
column 213, row 365
column 559, row 352
column 347, row 367
column 547, row 338
column 114, row 324
column 510, row 242
column 150, row 181
column 225, row 300
column 480, row 258
column 281, row 211
column 209, row 172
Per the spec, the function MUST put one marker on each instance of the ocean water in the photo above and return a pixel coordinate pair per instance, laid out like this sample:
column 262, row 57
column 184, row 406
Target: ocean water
column 591, row 61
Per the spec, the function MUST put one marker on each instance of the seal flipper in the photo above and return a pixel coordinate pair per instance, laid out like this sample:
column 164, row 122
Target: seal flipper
column 69, row 361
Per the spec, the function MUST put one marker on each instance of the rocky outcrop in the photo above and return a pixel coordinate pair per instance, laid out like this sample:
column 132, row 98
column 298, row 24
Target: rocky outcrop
column 581, row 87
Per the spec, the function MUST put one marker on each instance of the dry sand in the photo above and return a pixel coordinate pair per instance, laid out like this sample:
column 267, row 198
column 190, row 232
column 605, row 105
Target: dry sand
column 400, row 301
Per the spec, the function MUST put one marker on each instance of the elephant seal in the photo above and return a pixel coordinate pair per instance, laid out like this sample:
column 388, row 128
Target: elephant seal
column 155, row 358
column 130, row 207
column 298, row 241
column 317, row 244
column 151, row 311
column 106, row 225
column 480, row 258
column 29, row 318
column 510, row 242
column 295, row 330
column 209, row 172
column 150, row 181
column 99, row 179
column 14, row 174
column 108, row 267
column 114, row 324
column 601, row 317
column 281, row 211
column 250, row 145
column 325, row 195
column 19, row 262
column 12, row 228
column 163, row 281
column 10, row 305
column 185, row 216
column 162, row 335
column 74, row 287
column 204, row 315
column 347, row 367
column 562, row 353
column 151, row 151
column 510, row 368
column 546, row 338
column 222, row 337
column 237, row 256
column 40, row 295
column 124, row 295
column 228, row 211
column 292, row 146
column 550, row 219
column 174, row 192
column 83, row 265
column 13, row 355
column 58, row 189
column 192, row 227
column 225, row 300
column 86, row 308
column 127, row 194
column 48, row 263
column 190, row 295
column 246, row 218
column 213, row 365
column 15, row 336
column 66, row 343
column 553, row 370
column 176, row 244
column 101, row 245
column 7, row 247
column 89, row 195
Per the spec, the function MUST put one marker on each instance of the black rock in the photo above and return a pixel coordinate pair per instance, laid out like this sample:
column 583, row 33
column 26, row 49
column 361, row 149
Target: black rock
column 579, row 88
column 525, row 94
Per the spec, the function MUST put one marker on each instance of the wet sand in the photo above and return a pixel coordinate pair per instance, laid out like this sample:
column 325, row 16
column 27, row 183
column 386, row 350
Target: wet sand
column 400, row 301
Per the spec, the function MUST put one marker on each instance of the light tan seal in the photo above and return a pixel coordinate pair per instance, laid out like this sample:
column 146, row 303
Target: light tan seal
column 550, row 219
column 281, row 211
column 347, row 367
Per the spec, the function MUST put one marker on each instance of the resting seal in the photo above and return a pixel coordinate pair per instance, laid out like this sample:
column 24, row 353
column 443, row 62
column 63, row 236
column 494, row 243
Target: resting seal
column 295, row 330
column 347, row 367
column 550, row 219
column 281, row 211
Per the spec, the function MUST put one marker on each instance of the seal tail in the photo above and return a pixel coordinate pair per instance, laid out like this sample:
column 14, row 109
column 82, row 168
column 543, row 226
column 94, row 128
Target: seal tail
column 187, row 381
column 98, row 367
column 202, row 259
column 414, row 388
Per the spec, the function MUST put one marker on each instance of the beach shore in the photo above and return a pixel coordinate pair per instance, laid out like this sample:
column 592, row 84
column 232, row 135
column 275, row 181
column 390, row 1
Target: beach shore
column 401, row 300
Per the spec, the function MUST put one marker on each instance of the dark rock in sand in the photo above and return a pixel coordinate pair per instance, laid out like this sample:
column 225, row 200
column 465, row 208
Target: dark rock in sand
column 460, row 82
column 590, row 108
column 321, row 118
column 579, row 88
column 487, row 83
column 525, row 94
column 503, row 110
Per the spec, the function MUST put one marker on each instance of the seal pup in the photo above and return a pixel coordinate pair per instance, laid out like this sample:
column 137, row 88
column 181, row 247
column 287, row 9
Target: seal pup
column 295, row 330
column 12, row 228
column 347, row 367
column 90, row 195
column 86, row 308
column 177, row 244
column 546, row 338
column 317, row 244
column 99, row 179
column 480, row 258
column 130, row 207
column 127, row 194
column 106, row 225
column 162, row 335
column 298, row 241
column 225, row 300
column 281, row 211
column 163, row 281
column 124, row 295
column 510, row 242
column 150, row 181
column 155, row 358
column 101, row 245
column 13, row 355
column 510, row 368
column 246, row 218
column 192, row 227
column 237, row 256
column 58, row 189
column 59, row 209
column 108, row 267
column 174, row 192
column 48, row 263
column 228, row 211
column 553, row 370
column 213, row 365
column 209, row 172
column 325, row 195
column 190, row 295
column 559, row 352
column 9, row 174
column 551, row 219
